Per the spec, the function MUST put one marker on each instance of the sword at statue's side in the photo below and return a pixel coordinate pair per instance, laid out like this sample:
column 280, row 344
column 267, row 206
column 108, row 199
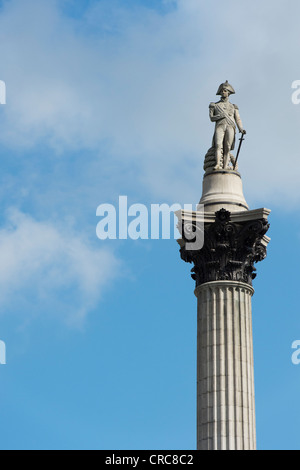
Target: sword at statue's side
column 238, row 152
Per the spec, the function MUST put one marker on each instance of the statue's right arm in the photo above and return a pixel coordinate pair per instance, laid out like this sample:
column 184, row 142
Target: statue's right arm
column 213, row 117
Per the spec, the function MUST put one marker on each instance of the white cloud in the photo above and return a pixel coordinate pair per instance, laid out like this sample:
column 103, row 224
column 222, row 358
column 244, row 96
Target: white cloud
column 51, row 271
column 142, row 81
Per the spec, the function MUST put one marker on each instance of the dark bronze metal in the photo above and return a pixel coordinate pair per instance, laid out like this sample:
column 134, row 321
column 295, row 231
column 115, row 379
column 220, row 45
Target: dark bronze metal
column 230, row 250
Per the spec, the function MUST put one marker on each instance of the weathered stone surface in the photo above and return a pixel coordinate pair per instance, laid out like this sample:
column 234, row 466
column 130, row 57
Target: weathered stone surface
column 223, row 271
column 226, row 117
column 223, row 190
column 225, row 379
column 228, row 240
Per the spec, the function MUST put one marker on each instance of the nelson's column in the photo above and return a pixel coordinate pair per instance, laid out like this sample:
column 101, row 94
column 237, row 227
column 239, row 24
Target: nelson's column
column 223, row 269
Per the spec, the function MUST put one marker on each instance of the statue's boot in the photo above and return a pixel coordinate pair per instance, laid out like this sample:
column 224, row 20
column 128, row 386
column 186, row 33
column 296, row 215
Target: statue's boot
column 218, row 157
column 226, row 161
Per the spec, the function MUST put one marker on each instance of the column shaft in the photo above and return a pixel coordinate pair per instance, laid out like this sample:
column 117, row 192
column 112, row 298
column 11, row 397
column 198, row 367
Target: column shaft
column 225, row 375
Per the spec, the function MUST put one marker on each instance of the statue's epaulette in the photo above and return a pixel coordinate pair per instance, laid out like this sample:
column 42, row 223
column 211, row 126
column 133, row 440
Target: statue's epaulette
column 212, row 105
column 236, row 106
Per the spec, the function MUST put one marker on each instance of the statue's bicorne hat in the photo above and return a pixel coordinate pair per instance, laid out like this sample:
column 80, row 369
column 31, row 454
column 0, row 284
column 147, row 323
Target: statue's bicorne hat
column 227, row 86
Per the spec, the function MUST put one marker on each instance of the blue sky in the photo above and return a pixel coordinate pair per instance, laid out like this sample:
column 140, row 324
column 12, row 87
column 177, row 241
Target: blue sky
column 108, row 98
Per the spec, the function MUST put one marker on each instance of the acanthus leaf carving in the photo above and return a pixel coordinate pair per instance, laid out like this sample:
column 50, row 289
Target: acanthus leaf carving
column 230, row 250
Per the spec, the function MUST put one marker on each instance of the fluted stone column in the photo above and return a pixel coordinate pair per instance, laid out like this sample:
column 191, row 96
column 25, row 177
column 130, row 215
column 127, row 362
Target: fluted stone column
column 223, row 270
column 225, row 375
column 223, row 240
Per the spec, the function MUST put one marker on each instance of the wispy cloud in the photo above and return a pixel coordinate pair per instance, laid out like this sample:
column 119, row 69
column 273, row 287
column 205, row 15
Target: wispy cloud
column 140, row 82
column 58, row 273
column 137, row 83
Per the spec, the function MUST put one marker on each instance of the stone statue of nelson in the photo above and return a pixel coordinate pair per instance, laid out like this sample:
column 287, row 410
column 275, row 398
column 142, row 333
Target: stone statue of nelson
column 226, row 116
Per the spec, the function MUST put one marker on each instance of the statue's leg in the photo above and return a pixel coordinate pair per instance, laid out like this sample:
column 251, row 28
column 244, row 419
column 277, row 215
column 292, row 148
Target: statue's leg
column 228, row 140
column 219, row 139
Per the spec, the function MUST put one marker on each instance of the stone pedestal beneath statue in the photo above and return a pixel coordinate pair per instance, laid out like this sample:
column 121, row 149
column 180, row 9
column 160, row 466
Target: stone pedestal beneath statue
column 223, row 189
